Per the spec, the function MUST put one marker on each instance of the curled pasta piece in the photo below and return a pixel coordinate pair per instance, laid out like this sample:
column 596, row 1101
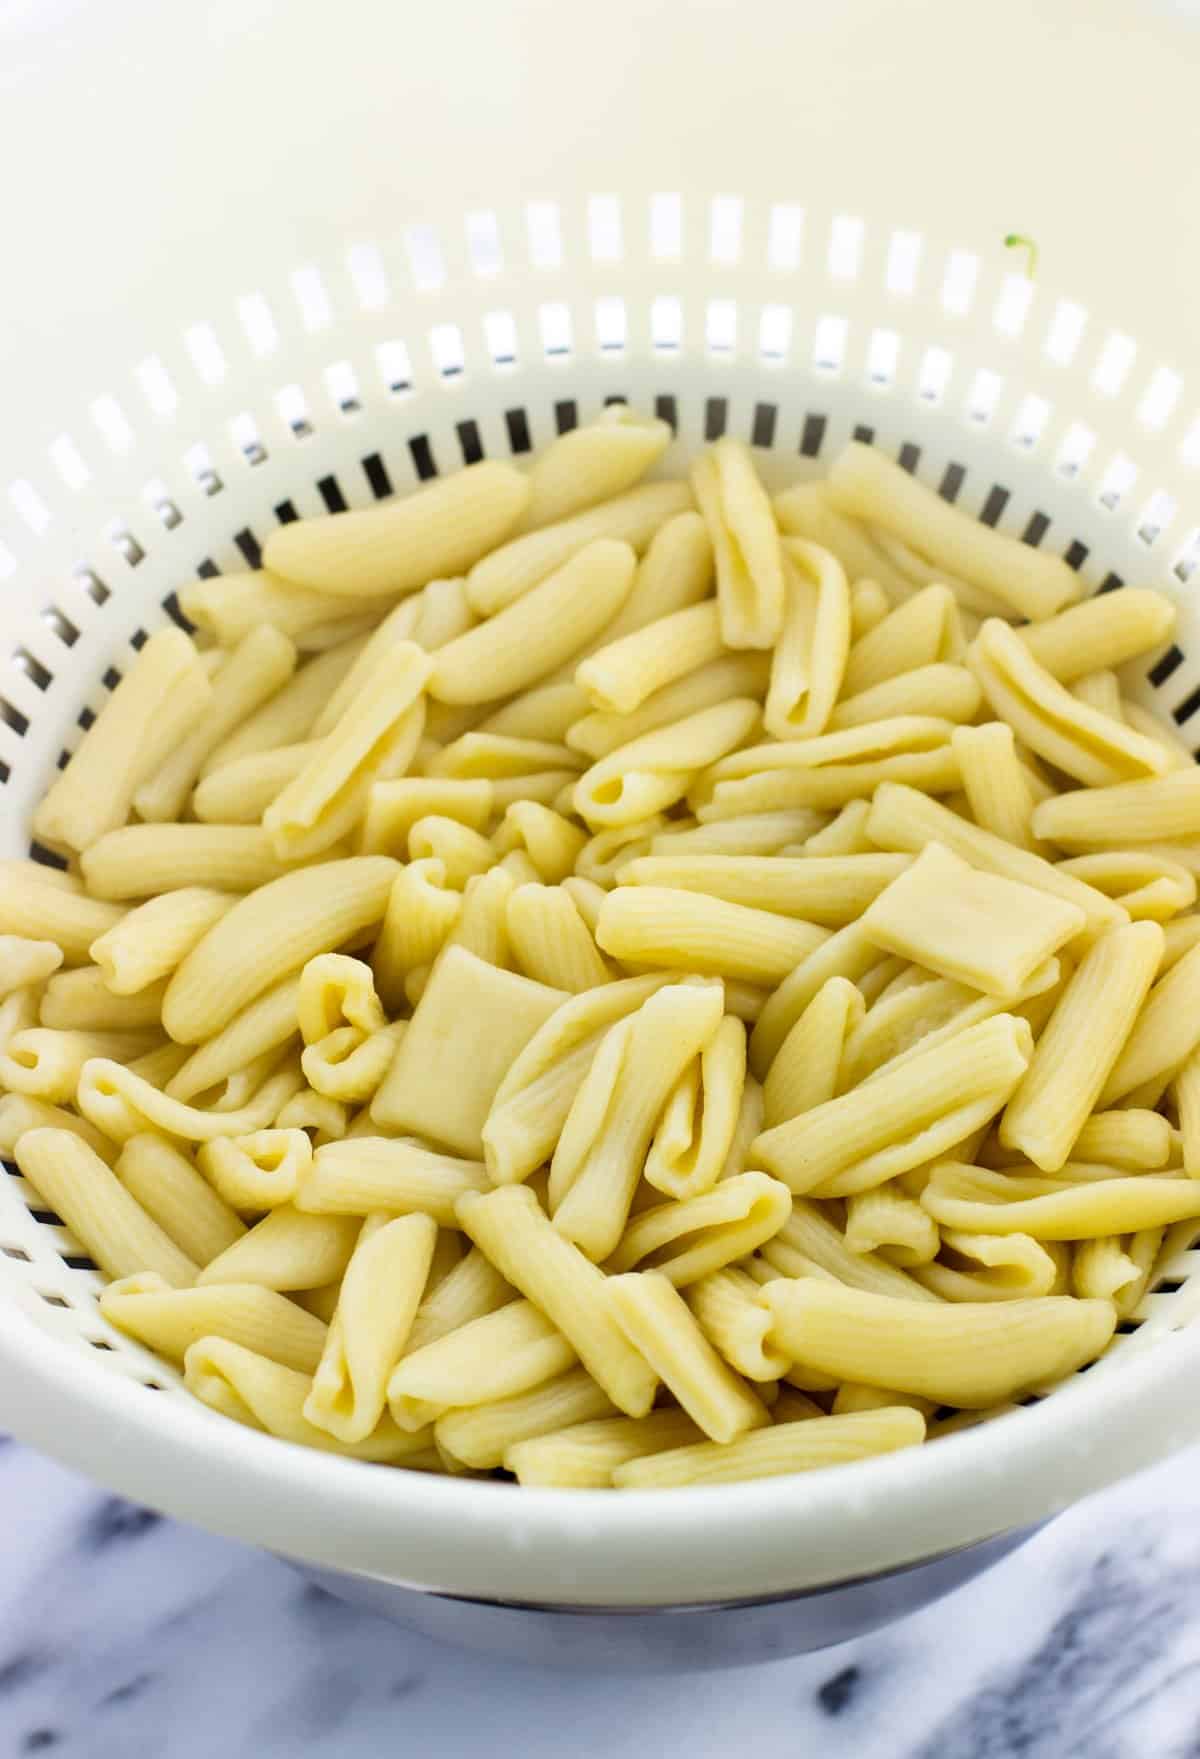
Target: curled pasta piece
column 810, row 655
column 686, row 1240
column 745, row 539
column 257, row 1171
column 696, row 1129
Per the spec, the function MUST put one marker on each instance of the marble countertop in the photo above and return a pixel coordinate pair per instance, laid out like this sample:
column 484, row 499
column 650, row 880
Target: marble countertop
column 126, row 1636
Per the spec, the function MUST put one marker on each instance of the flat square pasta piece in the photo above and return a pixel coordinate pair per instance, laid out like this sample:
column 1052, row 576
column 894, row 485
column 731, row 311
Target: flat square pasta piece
column 973, row 927
column 470, row 1025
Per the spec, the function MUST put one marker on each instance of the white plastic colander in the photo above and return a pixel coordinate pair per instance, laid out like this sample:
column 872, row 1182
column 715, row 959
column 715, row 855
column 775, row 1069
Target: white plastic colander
column 356, row 368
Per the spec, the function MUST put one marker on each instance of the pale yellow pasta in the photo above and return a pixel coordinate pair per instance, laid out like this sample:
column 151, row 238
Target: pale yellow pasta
column 869, row 605
column 241, row 791
column 867, row 485
column 946, row 692
column 814, row 641
column 885, row 1220
column 830, row 890
column 34, row 907
column 159, row 1065
column 686, row 1240
column 336, row 990
column 243, row 1384
column 689, row 931
column 745, row 539
column 324, row 1118
column 1082, row 741
column 473, row 1288
column 170, row 1320
column 901, row 818
column 585, row 1455
column 653, row 772
column 809, row 1244
column 363, row 1174
column 995, row 783
column 656, row 1320
column 676, row 570
column 47, row 1063
column 545, row 713
column 696, row 1128
column 474, row 1020
column 1180, row 760
column 1164, row 1034
column 803, row 1446
column 532, row 637
column 1101, row 691
column 546, row 788
column 1187, row 1101
column 256, row 1171
column 764, row 833
column 438, row 531
column 551, row 841
column 1080, row 1046
column 620, row 676
column 1158, row 811
column 231, row 606
column 462, row 852
column 287, row 1250
column 726, row 1307
column 995, row 1267
column 925, row 631
column 164, row 694
column 500, row 758
column 828, row 771
column 153, row 938
column 378, row 1300
column 511, row 1228
column 592, row 463
column 394, row 807
column 804, row 1071
column 1143, row 1249
column 24, row 961
column 1147, row 884
column 505, row 1352
column 978, row 1200
column 289, row 717
column 178, row 1197
column 1133, row 1139
column 971, row 1354
column 517, row 568
column 848, row 954
column 1104, row 631
column 82, row 1000
column 603, row 856
column 805, row 511
column 111, row 1226
column 1101, row 1268
column 854, row 1395
column 550, row 940
column 604, row 1141
column 139, row 861
column 122, row 1104
column 19, row 1014
column 20, row 1112
column 261, row 664
column 907, row 1114
column 481, row 1435
column 348, row 1065
column 264, row 1025
column 744, row 675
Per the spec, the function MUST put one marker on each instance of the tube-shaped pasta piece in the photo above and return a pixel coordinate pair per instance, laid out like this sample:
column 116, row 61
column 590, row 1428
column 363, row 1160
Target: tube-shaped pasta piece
column 552, row 843
column 609, row 1128
column 287, row 1250
column 1101, row 1268
column 473, row 1020
column 48, row 1063
column 364, row 1174
column 1146, row 883
column 975, row 928
column 869, row 605
column 948, row 693
column 376, row 736
column 586, row 1455
column 686, row 1241
column 19, row 1014
column 971, row 1354
column 442, row 613
column 159, row 1065
column 864, row 483
column 139, row 861
column 111, row 1225
column 422, row 909
column 905, row 1115
column 273, row 931
column 656, row 1320
column 534, row 1098
column 884, row 1219
column 545, row 713
column 462, row 852
column 1100, row 691
column 1187, row 1101
column 745, row 539
column 158, row 701
column 261, row 663
column 473, row 1288
column 925, row 631
column 901, row 818
column 379, row 1297
column 806, row 1445
column 814, row 642
column 81, row 1000
column 743, row 675
column 696, row 1128
column 482, row 923
column 336, row 990
column 995, row 1267
column 620, row 676
column 726, row 1307
column 439, row 531
column 592, row 463
column 20, row 1112
column 257, row 1171
column 676, row 571
column 979, row 1201
column 394, row 807
column 1081, row 1044
column 1132, row 812
column 809, row 1244
column 688, row 931
column 171, row 1320
column 230, row 607
column 763, row 833
column 124, row 1104
column 829, row 787
column 653, row 772
column 848, row 954
column 1164, row 1034
column 831, row 891
column 806, row 511
column 35, row 908
column 532, row 637
column 24, row 961
column 603, row 856
column 481, row 1435
column 851, row 748
column 804, row 1071
column 1102, row 632
column 550, row 940
column 519, row 567
column 520, row 1241
column 289, row 717
column 995, row 783
column 240, row 792
column 148, row 943
column 500, row 758
column 506, row 1352
column 265, row 1024
column 242, row 1384
column 183, row 1203
column 1082, row 741
column 1133, row 1139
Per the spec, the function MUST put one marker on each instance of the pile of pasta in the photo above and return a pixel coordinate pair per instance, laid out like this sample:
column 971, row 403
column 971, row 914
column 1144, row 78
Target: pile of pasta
column 625, row 983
